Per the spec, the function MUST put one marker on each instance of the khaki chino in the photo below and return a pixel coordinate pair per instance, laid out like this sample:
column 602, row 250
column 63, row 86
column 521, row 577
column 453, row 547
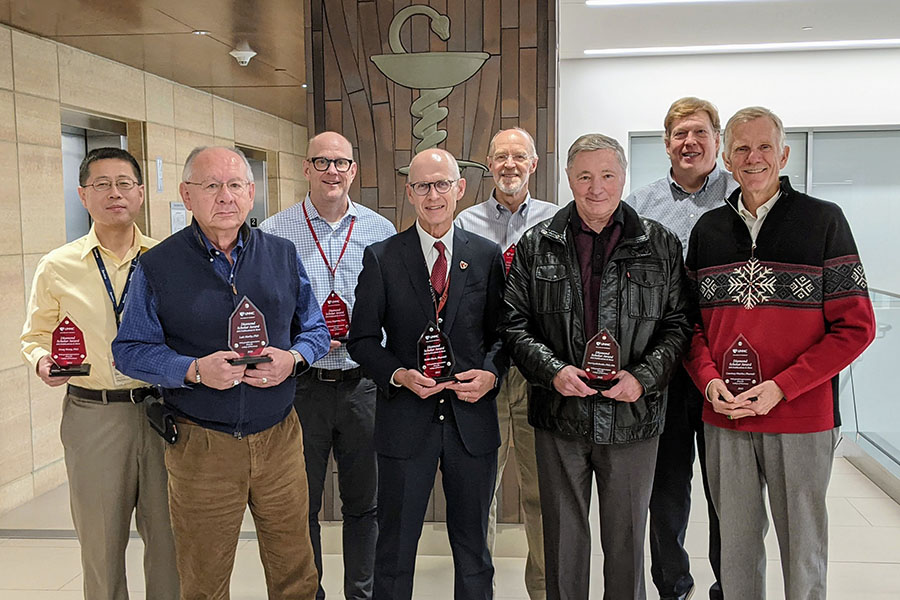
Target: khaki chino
column 114, row 462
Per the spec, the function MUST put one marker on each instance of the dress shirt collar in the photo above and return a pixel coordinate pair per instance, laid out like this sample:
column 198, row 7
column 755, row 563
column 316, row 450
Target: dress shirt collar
column 709, row 177
column 579, row 226
column 762, row 211
column 314, row 214
column 427, row 241
column 243, row 234
column 92, row 241
column 500, row 209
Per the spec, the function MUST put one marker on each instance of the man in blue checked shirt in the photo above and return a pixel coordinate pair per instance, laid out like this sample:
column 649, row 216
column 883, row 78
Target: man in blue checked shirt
column 336, row 403
column 239, row 440
column 694, row 185
column 503, row 218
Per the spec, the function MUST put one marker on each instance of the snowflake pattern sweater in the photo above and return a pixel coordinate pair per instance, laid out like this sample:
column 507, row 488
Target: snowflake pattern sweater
column 799, row 297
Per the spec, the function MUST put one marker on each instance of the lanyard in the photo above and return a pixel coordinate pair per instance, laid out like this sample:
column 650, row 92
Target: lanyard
column 439, row 305
column 319, row 246
column 119, row 306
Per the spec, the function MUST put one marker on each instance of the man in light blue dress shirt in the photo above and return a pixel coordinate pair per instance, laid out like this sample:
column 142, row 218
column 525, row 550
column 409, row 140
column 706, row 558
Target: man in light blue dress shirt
column 694, row 185
column 503, row 218
column 335, row 402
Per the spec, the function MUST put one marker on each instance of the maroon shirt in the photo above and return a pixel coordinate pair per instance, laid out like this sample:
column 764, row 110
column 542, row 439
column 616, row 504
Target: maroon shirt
column 593, row 250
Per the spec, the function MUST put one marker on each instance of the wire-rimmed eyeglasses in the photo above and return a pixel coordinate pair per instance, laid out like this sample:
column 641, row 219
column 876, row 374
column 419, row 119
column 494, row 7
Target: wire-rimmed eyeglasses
column 441, row 186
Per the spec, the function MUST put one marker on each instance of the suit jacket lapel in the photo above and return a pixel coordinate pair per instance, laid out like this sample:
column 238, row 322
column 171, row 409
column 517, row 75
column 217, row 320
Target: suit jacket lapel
column 417, row 270
column 457, row 276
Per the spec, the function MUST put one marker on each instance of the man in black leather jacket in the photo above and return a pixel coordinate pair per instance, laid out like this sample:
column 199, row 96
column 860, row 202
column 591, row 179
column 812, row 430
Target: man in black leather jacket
column 596, row 268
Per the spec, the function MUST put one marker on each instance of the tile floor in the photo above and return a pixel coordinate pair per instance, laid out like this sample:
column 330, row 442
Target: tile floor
column 864, row 556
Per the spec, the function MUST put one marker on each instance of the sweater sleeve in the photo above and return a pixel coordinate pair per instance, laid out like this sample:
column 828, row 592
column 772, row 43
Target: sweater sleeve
column 847, row 311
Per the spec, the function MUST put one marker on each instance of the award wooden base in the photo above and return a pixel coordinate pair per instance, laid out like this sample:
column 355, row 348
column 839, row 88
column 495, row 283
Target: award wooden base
column 81, row 370
column 250, row 360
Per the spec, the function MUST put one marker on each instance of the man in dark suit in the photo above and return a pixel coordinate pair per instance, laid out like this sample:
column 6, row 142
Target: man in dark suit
column 433, row 275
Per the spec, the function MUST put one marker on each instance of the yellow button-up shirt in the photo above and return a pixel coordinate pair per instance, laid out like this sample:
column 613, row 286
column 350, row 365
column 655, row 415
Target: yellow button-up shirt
column 68, row 282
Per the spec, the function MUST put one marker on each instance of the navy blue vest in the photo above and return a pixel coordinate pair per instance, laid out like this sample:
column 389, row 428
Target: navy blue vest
column 194, row 304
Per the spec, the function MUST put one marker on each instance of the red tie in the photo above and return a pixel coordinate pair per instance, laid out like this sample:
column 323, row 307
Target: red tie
column 439, row 270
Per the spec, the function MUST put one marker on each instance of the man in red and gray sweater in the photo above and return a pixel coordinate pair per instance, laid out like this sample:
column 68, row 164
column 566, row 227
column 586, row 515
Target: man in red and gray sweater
column 784, row 308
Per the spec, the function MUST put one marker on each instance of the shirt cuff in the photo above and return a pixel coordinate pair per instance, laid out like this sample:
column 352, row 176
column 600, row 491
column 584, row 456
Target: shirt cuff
column 706, row 391
column 180, row 366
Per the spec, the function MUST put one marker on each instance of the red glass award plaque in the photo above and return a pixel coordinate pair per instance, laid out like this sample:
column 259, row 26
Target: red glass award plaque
column 508, row 257
column 435, row 355
column 247, row 334
column 601, row 360
column 740, row 366
column 68, row 351
column 337, row 316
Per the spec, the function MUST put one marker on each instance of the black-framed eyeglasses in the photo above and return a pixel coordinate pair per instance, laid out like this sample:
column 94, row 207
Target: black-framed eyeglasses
column 320, row 163
column 212, row 187
column 104, row 185
column 442, row 186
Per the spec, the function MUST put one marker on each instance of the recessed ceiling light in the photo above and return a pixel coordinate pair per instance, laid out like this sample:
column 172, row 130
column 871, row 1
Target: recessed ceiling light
column 200, row 32
column 643, row 2
column 746, row 48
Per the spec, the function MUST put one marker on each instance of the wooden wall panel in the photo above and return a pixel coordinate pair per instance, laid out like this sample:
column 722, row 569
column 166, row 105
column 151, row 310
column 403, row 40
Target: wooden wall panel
column 516, row 86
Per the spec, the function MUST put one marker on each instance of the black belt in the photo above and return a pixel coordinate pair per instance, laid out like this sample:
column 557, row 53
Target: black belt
column 336, row 375
column 134, row 396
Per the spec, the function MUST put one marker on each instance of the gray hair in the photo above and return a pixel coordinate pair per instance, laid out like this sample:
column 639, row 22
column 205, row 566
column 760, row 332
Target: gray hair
column 188, row 171
column 596, row 141
column 521, row 132
column 745, row 115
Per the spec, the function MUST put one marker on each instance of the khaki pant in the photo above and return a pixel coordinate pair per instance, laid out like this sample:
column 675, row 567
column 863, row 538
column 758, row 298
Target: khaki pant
column 213, row 476
column 512, row 410
column 114, row 462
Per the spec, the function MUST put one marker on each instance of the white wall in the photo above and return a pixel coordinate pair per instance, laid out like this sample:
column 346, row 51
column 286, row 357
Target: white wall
column 806, row 89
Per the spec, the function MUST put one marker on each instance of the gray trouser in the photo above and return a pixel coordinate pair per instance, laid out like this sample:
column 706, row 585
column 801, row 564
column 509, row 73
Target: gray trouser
column 517, row 435
column 115, row 464
column 796, row 468
column 624, row 474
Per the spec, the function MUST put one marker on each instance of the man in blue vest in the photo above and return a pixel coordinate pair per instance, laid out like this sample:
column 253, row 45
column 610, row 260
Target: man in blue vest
column 239, row 439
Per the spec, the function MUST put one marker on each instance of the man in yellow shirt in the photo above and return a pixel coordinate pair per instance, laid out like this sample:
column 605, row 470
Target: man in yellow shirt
column 114, row 460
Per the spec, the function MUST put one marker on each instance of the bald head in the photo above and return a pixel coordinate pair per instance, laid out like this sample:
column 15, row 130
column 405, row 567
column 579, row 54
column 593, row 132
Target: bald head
column 329, row 188
column 434, row 158
column 434, row 187
column 331, row 140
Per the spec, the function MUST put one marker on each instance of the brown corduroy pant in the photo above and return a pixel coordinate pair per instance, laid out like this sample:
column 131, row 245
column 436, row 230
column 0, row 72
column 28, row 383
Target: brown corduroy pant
column 213, row 476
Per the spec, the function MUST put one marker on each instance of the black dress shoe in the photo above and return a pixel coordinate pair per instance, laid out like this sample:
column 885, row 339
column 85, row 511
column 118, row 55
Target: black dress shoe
column 684, row 596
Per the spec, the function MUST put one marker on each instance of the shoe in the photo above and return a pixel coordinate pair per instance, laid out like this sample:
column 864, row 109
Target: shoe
column 685, row 596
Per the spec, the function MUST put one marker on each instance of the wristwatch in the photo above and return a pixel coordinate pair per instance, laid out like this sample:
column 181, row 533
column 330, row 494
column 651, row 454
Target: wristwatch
column 196, row 370
column 299, row 363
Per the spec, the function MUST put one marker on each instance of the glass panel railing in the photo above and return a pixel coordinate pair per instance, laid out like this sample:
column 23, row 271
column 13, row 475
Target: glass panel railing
column 872, row 382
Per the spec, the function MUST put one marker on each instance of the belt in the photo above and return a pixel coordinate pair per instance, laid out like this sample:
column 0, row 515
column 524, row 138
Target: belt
column 134, row 396
column 336, row 375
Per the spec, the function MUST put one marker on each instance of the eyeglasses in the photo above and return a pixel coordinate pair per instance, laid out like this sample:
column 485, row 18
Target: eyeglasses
column 517, row 158
column 320, row 163
column 104, row 185
column 212, row 188
column 442, row 186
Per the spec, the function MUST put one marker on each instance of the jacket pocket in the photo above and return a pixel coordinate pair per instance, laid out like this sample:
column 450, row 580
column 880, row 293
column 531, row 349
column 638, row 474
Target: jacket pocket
column 552, row 289
column 646, row 291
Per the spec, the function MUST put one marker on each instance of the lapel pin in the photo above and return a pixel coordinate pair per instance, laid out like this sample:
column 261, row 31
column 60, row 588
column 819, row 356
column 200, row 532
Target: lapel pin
column 463, row 265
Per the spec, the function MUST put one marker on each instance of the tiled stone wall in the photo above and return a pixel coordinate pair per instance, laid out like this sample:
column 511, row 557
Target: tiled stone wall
column 38, row 77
